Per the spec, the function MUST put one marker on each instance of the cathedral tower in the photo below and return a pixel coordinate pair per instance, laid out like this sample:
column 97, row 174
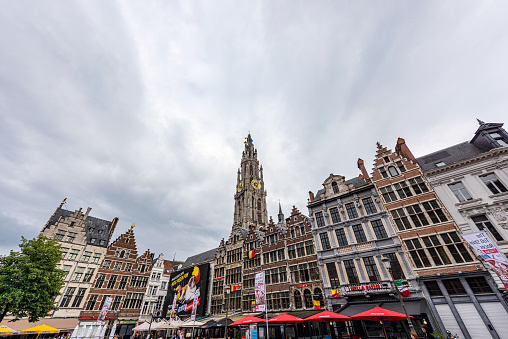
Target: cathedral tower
column 250, row 196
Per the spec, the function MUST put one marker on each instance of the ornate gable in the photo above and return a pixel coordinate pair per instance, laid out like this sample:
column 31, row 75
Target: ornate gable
column 335, row 185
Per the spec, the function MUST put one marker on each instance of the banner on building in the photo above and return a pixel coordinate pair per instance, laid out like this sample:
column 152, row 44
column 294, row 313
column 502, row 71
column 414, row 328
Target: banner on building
column 184, row 285
column 173, row 309
column 194, row 306
column 105, row 309
column 485, row 248
column 259, row 291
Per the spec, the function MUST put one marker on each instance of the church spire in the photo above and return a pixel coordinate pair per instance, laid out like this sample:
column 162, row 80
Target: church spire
column 280, row 215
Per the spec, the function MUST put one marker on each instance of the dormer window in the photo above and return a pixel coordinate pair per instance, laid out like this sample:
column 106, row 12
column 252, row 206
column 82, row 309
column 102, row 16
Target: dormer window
column 386, row 159
column 440, row 164
column 393, row 171
column 499, row 139
column 335, row 187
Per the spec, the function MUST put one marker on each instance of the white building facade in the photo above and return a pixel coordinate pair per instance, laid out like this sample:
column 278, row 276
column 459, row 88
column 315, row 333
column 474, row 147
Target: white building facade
column 156, row 290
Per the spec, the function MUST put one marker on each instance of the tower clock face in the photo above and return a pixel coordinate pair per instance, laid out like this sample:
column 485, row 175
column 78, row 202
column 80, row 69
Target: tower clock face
column 255, row 184
column 239, row 187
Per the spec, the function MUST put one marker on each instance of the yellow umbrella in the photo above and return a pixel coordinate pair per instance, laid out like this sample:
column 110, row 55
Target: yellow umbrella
column 40, row 329
column 6, row 331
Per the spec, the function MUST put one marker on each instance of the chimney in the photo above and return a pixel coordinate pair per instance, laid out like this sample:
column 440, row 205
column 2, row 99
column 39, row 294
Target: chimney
column 311, row 196
column 402, row 149
column 361, row 167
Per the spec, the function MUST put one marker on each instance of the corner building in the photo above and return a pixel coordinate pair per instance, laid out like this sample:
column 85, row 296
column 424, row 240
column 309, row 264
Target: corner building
column 446, row 268
column 286, row 269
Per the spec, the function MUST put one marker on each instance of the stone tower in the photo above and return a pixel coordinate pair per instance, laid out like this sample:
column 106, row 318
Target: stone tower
column 250, row 196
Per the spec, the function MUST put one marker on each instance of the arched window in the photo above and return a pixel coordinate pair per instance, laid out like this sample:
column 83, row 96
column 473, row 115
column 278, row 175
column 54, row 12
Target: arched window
column 298, row 300
column 319, row 295
column 307, row 296
column 393, row 171
column 335, row 187
column 122, row 254
column 259, row 204
column 250, row 166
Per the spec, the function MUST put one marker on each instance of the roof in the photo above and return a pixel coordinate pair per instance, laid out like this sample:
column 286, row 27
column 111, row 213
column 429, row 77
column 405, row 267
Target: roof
column 200, row 258
column 59, row 213
column 244, row 232
column 100, row 231
column 356, row 182
column 450, row 155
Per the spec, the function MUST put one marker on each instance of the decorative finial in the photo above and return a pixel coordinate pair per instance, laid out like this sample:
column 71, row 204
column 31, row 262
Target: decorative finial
column 64, row 201
column 480, row 122
column 378, row 145
column 133, row 225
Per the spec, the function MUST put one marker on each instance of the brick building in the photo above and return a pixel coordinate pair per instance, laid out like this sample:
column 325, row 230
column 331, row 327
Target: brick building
column 449, row 274
column 123, row 276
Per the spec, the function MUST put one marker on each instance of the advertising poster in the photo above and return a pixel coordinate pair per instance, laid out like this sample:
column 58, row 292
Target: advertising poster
column 259, row 291
column 485, row 248
column 184, row 285
column 105, row 309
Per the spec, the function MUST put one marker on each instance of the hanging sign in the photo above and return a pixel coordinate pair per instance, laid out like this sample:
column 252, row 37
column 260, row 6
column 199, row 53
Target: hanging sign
column 259, row 291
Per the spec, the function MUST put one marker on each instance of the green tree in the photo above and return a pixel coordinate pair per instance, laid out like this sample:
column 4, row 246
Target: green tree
column 30, row 280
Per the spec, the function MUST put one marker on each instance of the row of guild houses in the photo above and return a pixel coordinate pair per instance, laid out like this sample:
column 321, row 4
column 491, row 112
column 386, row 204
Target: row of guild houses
column 403, row 222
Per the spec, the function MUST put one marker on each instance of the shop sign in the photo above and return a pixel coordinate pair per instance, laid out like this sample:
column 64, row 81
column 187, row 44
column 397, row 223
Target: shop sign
column 127, row 321
column 306, row 285
column 370, row 287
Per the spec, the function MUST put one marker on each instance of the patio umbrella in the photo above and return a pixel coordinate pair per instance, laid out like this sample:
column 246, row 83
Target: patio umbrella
column 40, row 329
column 209, row 323
column 285, row 318
column 222, row 322
column 327, row 316
column 6, row 331
column 247, row 320
column 381, row 315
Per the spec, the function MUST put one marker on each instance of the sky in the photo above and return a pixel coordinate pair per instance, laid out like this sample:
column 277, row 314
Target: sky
column 139, row 109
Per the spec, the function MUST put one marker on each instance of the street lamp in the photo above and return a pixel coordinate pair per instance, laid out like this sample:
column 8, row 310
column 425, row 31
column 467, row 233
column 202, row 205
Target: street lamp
column 386, row 261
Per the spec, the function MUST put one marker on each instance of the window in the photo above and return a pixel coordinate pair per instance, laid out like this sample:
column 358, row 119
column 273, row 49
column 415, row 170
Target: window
column 96, row 257
column 325, row 242
column 112, row 281
column 66, row 298
column 116, row 302
column 304, row 272
column 401, row 220
column 71, row 236
column 454, row 286
column 73, row 254
column 59, row 235
column 118, row 265
column 64, row 251
column 386, row 159
column 117, row 252
column 332, row 274
column 369, row 205
column 78, row 298
column 291, row 252
column 102, row 242
column 460, row 191
column 440, row 164
column 307, row 297
column 383, row 172
column 370, row 266
column 309, row 247
column 314, row 271
column 320, row 221
column 400, row 166
column 351, row 210
column 78, row 274
column 433, row 288
column 86, row 256
column 417, row 253
column 164, row 285
column 298, row 300
column 93, row 240
column 493, row 183
column 359, row 234
column 434, row 211
column 397, row 272
column 456, row 247
column 103, row 301
column 154, row 290
column 66, row 268
column 123, row 282
column 393, row 171
column 379, row 229
column 341, row 237
column 417, row 215
column 335, row 187
column 403, row 190
column 418, row 185
column 88, row 275
column 128, row 267
column 483, row 223
column 499, row 139
column 436, row 250
column 106, row 264
column 300, row 250
column 388, row 194
column 132, row 300
column 351, row 271
column 479, row 285
column 100, row 280
column 334, row 212
column 91, row 302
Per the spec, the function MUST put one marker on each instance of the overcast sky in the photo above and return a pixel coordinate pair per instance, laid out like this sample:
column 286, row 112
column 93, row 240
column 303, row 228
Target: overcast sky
column 139, row 109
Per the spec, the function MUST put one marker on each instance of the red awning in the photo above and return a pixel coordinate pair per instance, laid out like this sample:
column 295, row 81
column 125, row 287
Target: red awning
column 285, row 318
column 247, row 320
column 378, row 313
column 327, row 316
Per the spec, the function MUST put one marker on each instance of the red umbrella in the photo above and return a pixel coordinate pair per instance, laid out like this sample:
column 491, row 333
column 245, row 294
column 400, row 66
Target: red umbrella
column 380, row 314
column 247, row 320
column 327, row 316
column 285, row 318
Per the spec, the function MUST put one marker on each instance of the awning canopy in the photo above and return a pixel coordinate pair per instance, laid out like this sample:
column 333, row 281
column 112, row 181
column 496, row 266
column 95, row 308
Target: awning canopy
column 142, row 327
column 6, row 331
column 63, row 324
column 414, row 307
column 40, row 329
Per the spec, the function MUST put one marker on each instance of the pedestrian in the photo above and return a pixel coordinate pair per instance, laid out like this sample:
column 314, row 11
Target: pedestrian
column 426, row 332
column 414, row 335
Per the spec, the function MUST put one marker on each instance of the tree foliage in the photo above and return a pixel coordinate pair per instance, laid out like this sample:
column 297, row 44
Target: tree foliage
column 30, row 280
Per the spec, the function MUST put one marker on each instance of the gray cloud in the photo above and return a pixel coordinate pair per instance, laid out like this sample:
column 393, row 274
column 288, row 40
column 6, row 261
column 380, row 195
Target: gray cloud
column 139, row 110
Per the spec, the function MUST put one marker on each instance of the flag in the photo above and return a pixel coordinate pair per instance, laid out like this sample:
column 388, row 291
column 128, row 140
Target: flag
column 317, row 304
column 252, row 254
column 335, row 293
column 253, row 306
column 233, row 288
column 404, row 292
